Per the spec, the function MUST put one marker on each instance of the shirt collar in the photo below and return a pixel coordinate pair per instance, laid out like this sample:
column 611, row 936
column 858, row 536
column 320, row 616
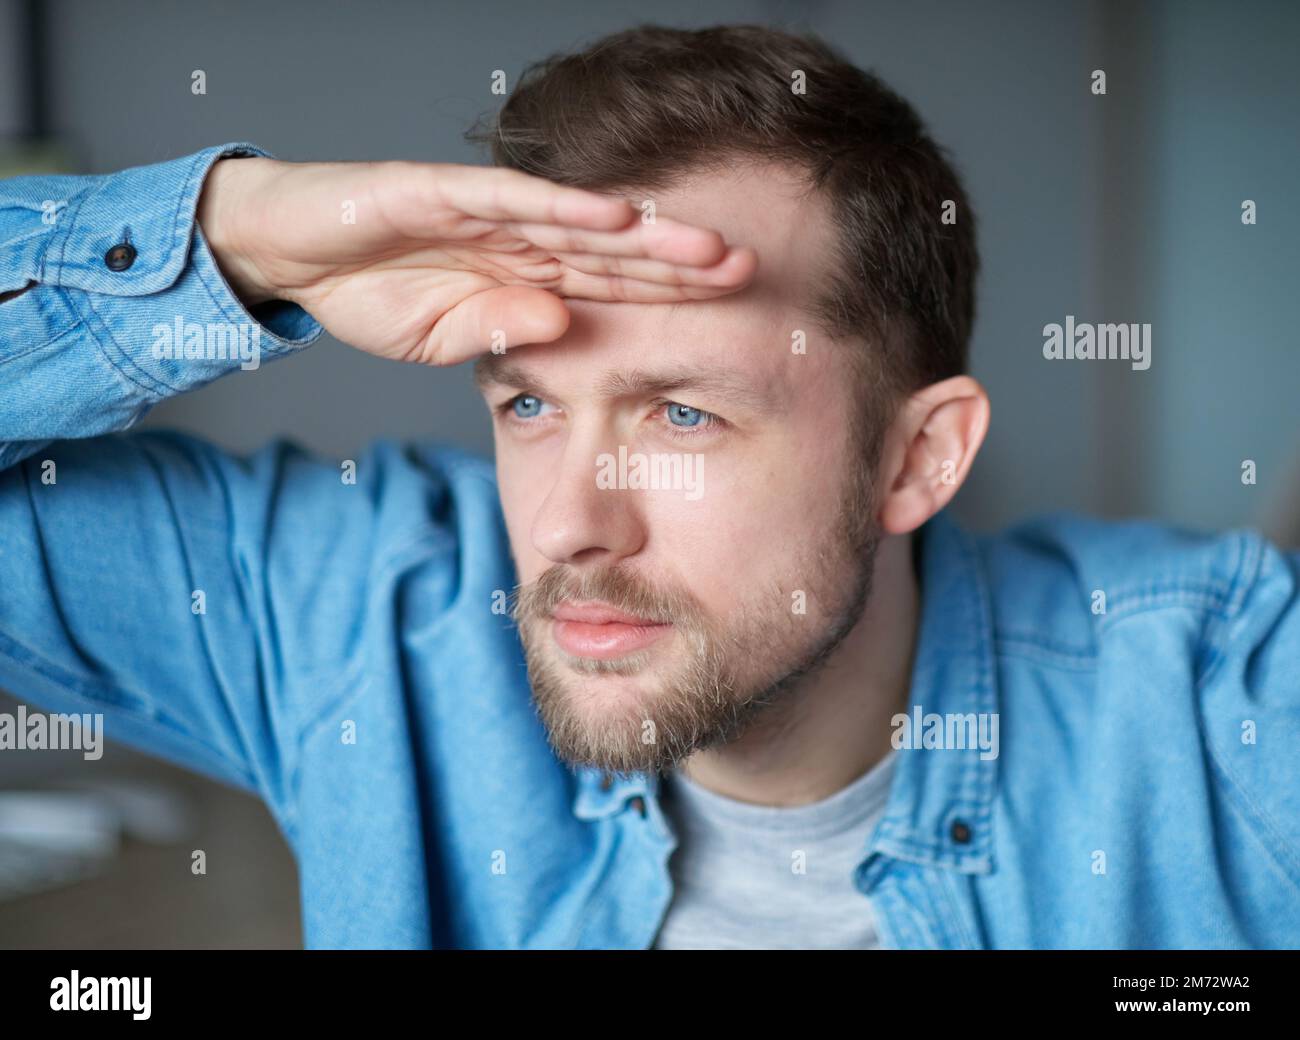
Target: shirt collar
column 602, row 794
column 939, row 808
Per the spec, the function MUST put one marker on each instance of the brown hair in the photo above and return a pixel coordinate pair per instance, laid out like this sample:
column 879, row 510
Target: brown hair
column 642, row 106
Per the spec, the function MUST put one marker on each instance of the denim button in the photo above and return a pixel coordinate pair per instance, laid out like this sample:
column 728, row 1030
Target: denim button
column 638, row 803
column 120, row 257
column 960, row 832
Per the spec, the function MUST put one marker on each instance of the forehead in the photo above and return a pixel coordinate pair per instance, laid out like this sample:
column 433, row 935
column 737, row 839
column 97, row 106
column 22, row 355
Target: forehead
column 769, row 207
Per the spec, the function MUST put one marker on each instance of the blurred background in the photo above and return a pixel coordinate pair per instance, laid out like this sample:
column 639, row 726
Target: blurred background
column 1117, row 208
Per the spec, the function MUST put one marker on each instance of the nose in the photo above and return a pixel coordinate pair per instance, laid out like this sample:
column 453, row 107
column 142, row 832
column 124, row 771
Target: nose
column 580, row 522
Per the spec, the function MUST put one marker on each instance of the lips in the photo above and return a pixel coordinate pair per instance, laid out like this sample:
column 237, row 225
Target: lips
column 600, row 631
column 596, row 614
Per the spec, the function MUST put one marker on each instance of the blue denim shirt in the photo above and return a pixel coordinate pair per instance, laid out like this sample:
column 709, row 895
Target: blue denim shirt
column 1147, row 787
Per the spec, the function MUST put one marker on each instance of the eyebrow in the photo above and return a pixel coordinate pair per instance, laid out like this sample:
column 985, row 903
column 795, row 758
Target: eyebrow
column 495, row 369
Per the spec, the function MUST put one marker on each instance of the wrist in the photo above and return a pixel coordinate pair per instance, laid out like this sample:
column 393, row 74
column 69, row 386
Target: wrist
column 224, row 216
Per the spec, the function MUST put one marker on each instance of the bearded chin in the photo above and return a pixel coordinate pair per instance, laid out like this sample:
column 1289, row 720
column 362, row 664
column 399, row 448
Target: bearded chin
column 624, row 716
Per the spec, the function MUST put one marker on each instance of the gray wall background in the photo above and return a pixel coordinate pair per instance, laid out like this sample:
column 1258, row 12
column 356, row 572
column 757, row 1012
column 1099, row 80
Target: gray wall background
column 1117, row 208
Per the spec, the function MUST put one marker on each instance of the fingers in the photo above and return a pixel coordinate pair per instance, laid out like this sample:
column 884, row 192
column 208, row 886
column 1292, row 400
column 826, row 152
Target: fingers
column 571, row 220
column 651, row 281
column 513, row 315
column 499, row 194
column 735, row 270
column 666, row 239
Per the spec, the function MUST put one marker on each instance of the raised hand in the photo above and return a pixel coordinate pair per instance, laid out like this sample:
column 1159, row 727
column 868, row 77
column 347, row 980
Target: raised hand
column 442, row 258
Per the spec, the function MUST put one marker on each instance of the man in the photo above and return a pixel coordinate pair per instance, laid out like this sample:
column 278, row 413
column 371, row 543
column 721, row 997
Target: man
column 704, row 663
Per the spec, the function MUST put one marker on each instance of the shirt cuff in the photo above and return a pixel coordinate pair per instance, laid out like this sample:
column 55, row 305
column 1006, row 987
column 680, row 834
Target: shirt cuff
column 168, row 321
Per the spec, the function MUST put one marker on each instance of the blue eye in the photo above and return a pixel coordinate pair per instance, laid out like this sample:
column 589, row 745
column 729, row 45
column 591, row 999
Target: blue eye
column 531, row 406
column 684, row 415
column 684, row 420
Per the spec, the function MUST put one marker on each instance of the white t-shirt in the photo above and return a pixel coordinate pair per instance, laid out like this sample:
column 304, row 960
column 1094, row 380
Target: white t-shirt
column 760, row 877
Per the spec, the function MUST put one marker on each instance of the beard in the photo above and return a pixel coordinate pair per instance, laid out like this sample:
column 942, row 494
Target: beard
column 717, row 676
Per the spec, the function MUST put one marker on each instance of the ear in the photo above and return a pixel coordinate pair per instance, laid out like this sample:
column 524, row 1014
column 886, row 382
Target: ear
column 929, row 448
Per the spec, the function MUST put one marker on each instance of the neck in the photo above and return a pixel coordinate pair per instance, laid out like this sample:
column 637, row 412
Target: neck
column 836, row 726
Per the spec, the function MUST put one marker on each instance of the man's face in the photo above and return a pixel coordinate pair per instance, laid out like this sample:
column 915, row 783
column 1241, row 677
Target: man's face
column 659, row 620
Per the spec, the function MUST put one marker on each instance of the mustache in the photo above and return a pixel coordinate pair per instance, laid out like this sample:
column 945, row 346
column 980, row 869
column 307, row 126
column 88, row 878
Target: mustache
column 619, row 587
